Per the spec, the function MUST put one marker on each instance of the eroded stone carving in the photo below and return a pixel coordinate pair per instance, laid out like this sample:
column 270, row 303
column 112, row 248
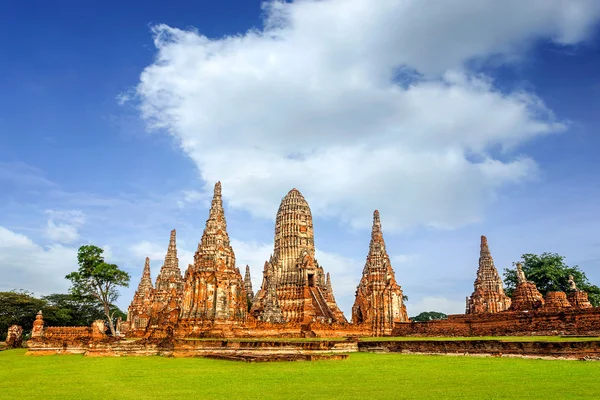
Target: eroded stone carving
column 38, row 326
column 14, row 338
column 572, row 284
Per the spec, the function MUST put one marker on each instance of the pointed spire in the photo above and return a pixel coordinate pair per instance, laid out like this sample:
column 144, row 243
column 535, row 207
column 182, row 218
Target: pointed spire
column 487, row 274
column 170, row 270
column 216, row 207
column 247, row 275
column 146, row 280
column 484, row 248
column 248, row 284
column 171, row 259
column 328, row 284
column 377, row 243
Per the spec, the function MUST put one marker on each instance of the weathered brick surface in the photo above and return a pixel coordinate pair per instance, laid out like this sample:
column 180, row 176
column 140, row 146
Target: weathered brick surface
column 526, row 297
column 378, row 302
column 14, row 338
column 294, row 284
column 568, row 321
column 556, row 301
column 214, row 288
column 488, row 294
column 138, row 313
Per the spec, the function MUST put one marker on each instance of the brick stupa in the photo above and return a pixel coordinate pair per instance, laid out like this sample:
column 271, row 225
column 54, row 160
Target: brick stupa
column 378, row 302
column 138, row 313
column 526, row 295
column 488, row 296
column 167, row 290
column 214, row 288
column 299, row 280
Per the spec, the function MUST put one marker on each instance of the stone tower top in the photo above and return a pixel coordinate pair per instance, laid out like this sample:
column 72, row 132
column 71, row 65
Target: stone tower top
column 170, row 274
column 146, row 281
column 487, row 274
column 484, row 248
column 293, row 229
column 214, row 249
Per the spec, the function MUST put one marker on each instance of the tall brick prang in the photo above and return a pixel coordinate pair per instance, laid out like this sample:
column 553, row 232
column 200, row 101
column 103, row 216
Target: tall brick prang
column 214, row 288
column 168, row 289
column 488, row 296
column 298, row 278
column 138, row 313
column 378, row 302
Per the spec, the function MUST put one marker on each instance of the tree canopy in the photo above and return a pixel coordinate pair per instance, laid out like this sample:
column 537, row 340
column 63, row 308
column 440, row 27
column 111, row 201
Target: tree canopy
column 20, row 308
column 429, row 316
column 550, row 273
column 99, row 280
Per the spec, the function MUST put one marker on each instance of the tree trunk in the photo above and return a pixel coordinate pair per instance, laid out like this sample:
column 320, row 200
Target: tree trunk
column 110, row 321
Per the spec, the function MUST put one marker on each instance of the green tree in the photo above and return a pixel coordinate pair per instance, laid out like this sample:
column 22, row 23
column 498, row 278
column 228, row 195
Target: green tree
column 429, row 316
column 550, row 273
column 68, row 310
column 99, row 280
column 20, row 308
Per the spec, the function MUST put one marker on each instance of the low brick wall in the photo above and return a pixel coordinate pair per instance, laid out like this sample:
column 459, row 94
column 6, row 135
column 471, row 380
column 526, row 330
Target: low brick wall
column 508, row 323
column 563, row 349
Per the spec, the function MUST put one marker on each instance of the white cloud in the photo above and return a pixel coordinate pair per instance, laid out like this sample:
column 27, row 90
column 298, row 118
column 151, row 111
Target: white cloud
column 27, row 265
column 64, row 231
column 360, row 104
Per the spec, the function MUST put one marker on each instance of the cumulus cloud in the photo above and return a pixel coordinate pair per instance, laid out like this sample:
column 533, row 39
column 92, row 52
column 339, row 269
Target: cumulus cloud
column 27, row 265
column 65, row 230
column 156, row 252
column 360, row 104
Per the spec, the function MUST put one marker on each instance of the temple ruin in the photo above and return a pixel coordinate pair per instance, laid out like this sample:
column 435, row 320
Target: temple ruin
column 379, row 299
column 296, row 300
column 488, row 296
column 301, row 290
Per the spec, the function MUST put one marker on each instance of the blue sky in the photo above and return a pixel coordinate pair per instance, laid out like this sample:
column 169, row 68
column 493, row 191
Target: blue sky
column 117, row 119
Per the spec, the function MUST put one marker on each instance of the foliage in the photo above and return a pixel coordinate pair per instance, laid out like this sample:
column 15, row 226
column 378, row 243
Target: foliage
column 429, row 316
column 20, row 308
column 99, row 280
column 550, row 273
column 361, row 376
column 69, row 310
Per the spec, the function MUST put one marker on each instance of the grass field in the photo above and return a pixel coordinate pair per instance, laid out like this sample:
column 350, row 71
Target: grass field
column 361, row 376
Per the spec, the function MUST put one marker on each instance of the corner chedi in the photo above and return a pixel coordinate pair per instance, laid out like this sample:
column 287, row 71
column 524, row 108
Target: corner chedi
column 299, row 282
column 488, row 296
column 248, row 285
column 167, row 290
column 526, row 296
column 378, row 302
column 577, row 298
column 214, row 288
column 138, row 313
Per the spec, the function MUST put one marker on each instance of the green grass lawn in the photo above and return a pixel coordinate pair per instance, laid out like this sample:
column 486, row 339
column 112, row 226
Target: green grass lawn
column 361, row 376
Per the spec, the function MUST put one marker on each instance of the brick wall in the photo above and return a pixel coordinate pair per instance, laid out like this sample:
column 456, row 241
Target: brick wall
column 508, row 323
